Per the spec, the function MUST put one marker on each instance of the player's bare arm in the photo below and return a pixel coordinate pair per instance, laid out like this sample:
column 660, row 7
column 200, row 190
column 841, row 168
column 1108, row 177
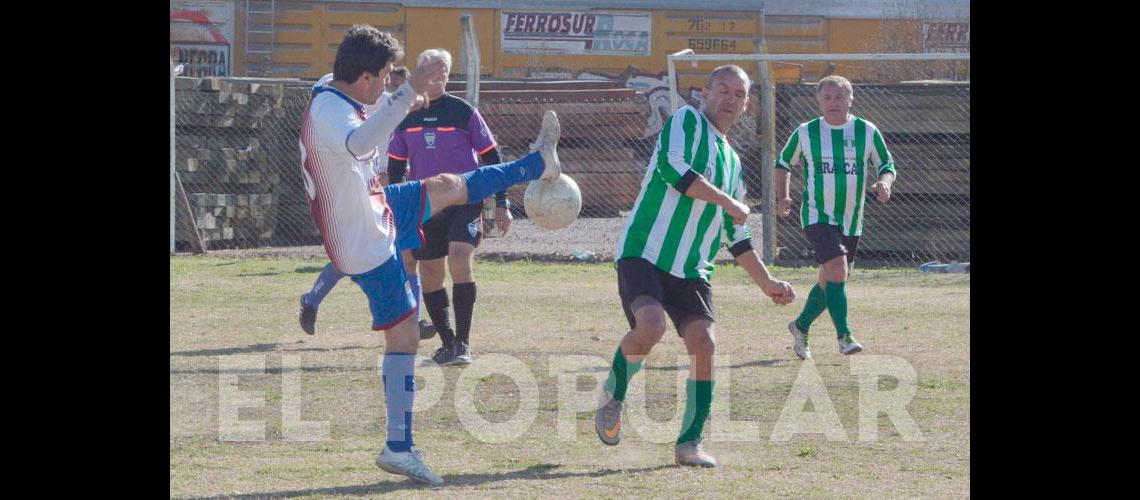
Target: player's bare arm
column 783, row 200
column 883, row 187
column 780, row 291
column 700, row 189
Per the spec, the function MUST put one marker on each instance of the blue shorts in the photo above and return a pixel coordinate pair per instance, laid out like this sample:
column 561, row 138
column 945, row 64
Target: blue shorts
column 389, row 292
column 409, row 204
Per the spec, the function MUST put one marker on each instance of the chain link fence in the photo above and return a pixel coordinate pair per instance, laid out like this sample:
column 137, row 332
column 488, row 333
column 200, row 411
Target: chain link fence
column 926, row 128
column 602, row 146
column 925, row 121
column 238, row 161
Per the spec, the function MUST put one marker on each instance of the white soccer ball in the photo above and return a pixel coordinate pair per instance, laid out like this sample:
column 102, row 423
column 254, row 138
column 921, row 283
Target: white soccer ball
column 553, row 204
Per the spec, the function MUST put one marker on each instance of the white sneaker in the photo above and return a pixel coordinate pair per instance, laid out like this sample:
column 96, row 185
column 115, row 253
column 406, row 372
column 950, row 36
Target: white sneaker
column 692, row 454
column 801, row 345
column 848, row 345
column 408, row 463
column 547, row 145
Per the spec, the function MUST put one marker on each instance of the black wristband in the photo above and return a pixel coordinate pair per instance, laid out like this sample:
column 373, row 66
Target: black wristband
column 687, row 180
column 741, row 248
column 491, row 156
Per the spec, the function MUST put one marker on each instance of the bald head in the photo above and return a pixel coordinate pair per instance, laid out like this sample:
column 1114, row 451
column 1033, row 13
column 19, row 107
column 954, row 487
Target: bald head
column 728, row 69
column 726, row 96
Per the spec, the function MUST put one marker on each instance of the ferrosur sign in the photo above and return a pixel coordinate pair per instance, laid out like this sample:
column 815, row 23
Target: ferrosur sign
column 576, row 33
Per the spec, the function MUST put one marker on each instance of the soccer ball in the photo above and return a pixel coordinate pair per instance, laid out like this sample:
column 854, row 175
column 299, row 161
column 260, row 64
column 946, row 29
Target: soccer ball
column 553, row 204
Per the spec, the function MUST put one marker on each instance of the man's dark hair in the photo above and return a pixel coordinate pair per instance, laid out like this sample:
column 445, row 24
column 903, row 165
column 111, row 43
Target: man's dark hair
column 365, row 48
column 400, row 70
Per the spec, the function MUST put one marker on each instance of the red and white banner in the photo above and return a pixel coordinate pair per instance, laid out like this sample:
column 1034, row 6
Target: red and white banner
column 201, row 36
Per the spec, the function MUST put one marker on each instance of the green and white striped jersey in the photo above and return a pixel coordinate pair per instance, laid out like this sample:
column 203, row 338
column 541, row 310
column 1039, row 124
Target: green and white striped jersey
column 833, row 188
column 679, row 234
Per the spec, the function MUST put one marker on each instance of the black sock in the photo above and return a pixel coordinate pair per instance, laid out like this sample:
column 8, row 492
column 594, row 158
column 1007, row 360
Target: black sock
column 438, row 309
column 464, row 294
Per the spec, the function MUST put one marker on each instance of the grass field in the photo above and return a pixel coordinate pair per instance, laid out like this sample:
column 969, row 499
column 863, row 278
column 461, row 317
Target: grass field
column 224, row 312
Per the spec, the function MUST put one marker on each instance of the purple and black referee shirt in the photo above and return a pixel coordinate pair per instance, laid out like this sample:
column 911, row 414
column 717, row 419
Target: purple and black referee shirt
column 447, row 137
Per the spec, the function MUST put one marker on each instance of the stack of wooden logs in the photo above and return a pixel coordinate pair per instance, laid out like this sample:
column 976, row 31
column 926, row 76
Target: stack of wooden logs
column 237, row 157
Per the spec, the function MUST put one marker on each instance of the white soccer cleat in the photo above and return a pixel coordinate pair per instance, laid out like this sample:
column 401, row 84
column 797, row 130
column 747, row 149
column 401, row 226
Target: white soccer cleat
column 408, row 463
column 800, row 338
column 848, row 345
column 692, row 454
column 547, row 145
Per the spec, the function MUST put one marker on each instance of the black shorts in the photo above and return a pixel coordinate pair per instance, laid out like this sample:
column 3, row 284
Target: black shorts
column 683, row 299
column 829, row 243
column 462, row 223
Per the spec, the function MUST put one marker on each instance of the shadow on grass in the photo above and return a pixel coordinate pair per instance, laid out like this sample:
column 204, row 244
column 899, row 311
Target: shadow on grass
column 330, row 349
column 309, row 269
column 273, row 371
column 759, row 362
column 255, row 348
column 228, row 351
column 539, row 472
column 263, row 348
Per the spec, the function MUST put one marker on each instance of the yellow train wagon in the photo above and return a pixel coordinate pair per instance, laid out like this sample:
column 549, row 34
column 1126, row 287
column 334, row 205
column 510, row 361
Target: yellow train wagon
column 585, row 39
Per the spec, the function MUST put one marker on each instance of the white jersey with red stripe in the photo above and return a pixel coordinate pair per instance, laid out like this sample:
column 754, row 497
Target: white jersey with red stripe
column 358, row 229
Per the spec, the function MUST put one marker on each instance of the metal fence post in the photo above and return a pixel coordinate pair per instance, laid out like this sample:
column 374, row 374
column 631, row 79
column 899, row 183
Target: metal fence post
column 171, row 155
column 767, row 126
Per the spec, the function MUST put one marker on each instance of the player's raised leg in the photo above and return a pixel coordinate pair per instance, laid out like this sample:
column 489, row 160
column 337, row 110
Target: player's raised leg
column 311, row 301
column 446, row 190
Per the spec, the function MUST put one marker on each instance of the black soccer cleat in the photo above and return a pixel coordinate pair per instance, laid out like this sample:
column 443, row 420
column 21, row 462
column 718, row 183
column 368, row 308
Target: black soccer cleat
column 444, row 356
column 308, row 316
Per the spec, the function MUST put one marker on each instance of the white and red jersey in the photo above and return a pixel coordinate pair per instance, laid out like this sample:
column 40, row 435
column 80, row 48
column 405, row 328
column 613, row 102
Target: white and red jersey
column 358, row 229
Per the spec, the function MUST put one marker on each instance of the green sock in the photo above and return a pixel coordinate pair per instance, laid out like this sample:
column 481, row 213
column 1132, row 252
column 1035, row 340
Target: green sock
column 837, row 306
column 813, row 307
column 698, row 400
column 620, row 373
